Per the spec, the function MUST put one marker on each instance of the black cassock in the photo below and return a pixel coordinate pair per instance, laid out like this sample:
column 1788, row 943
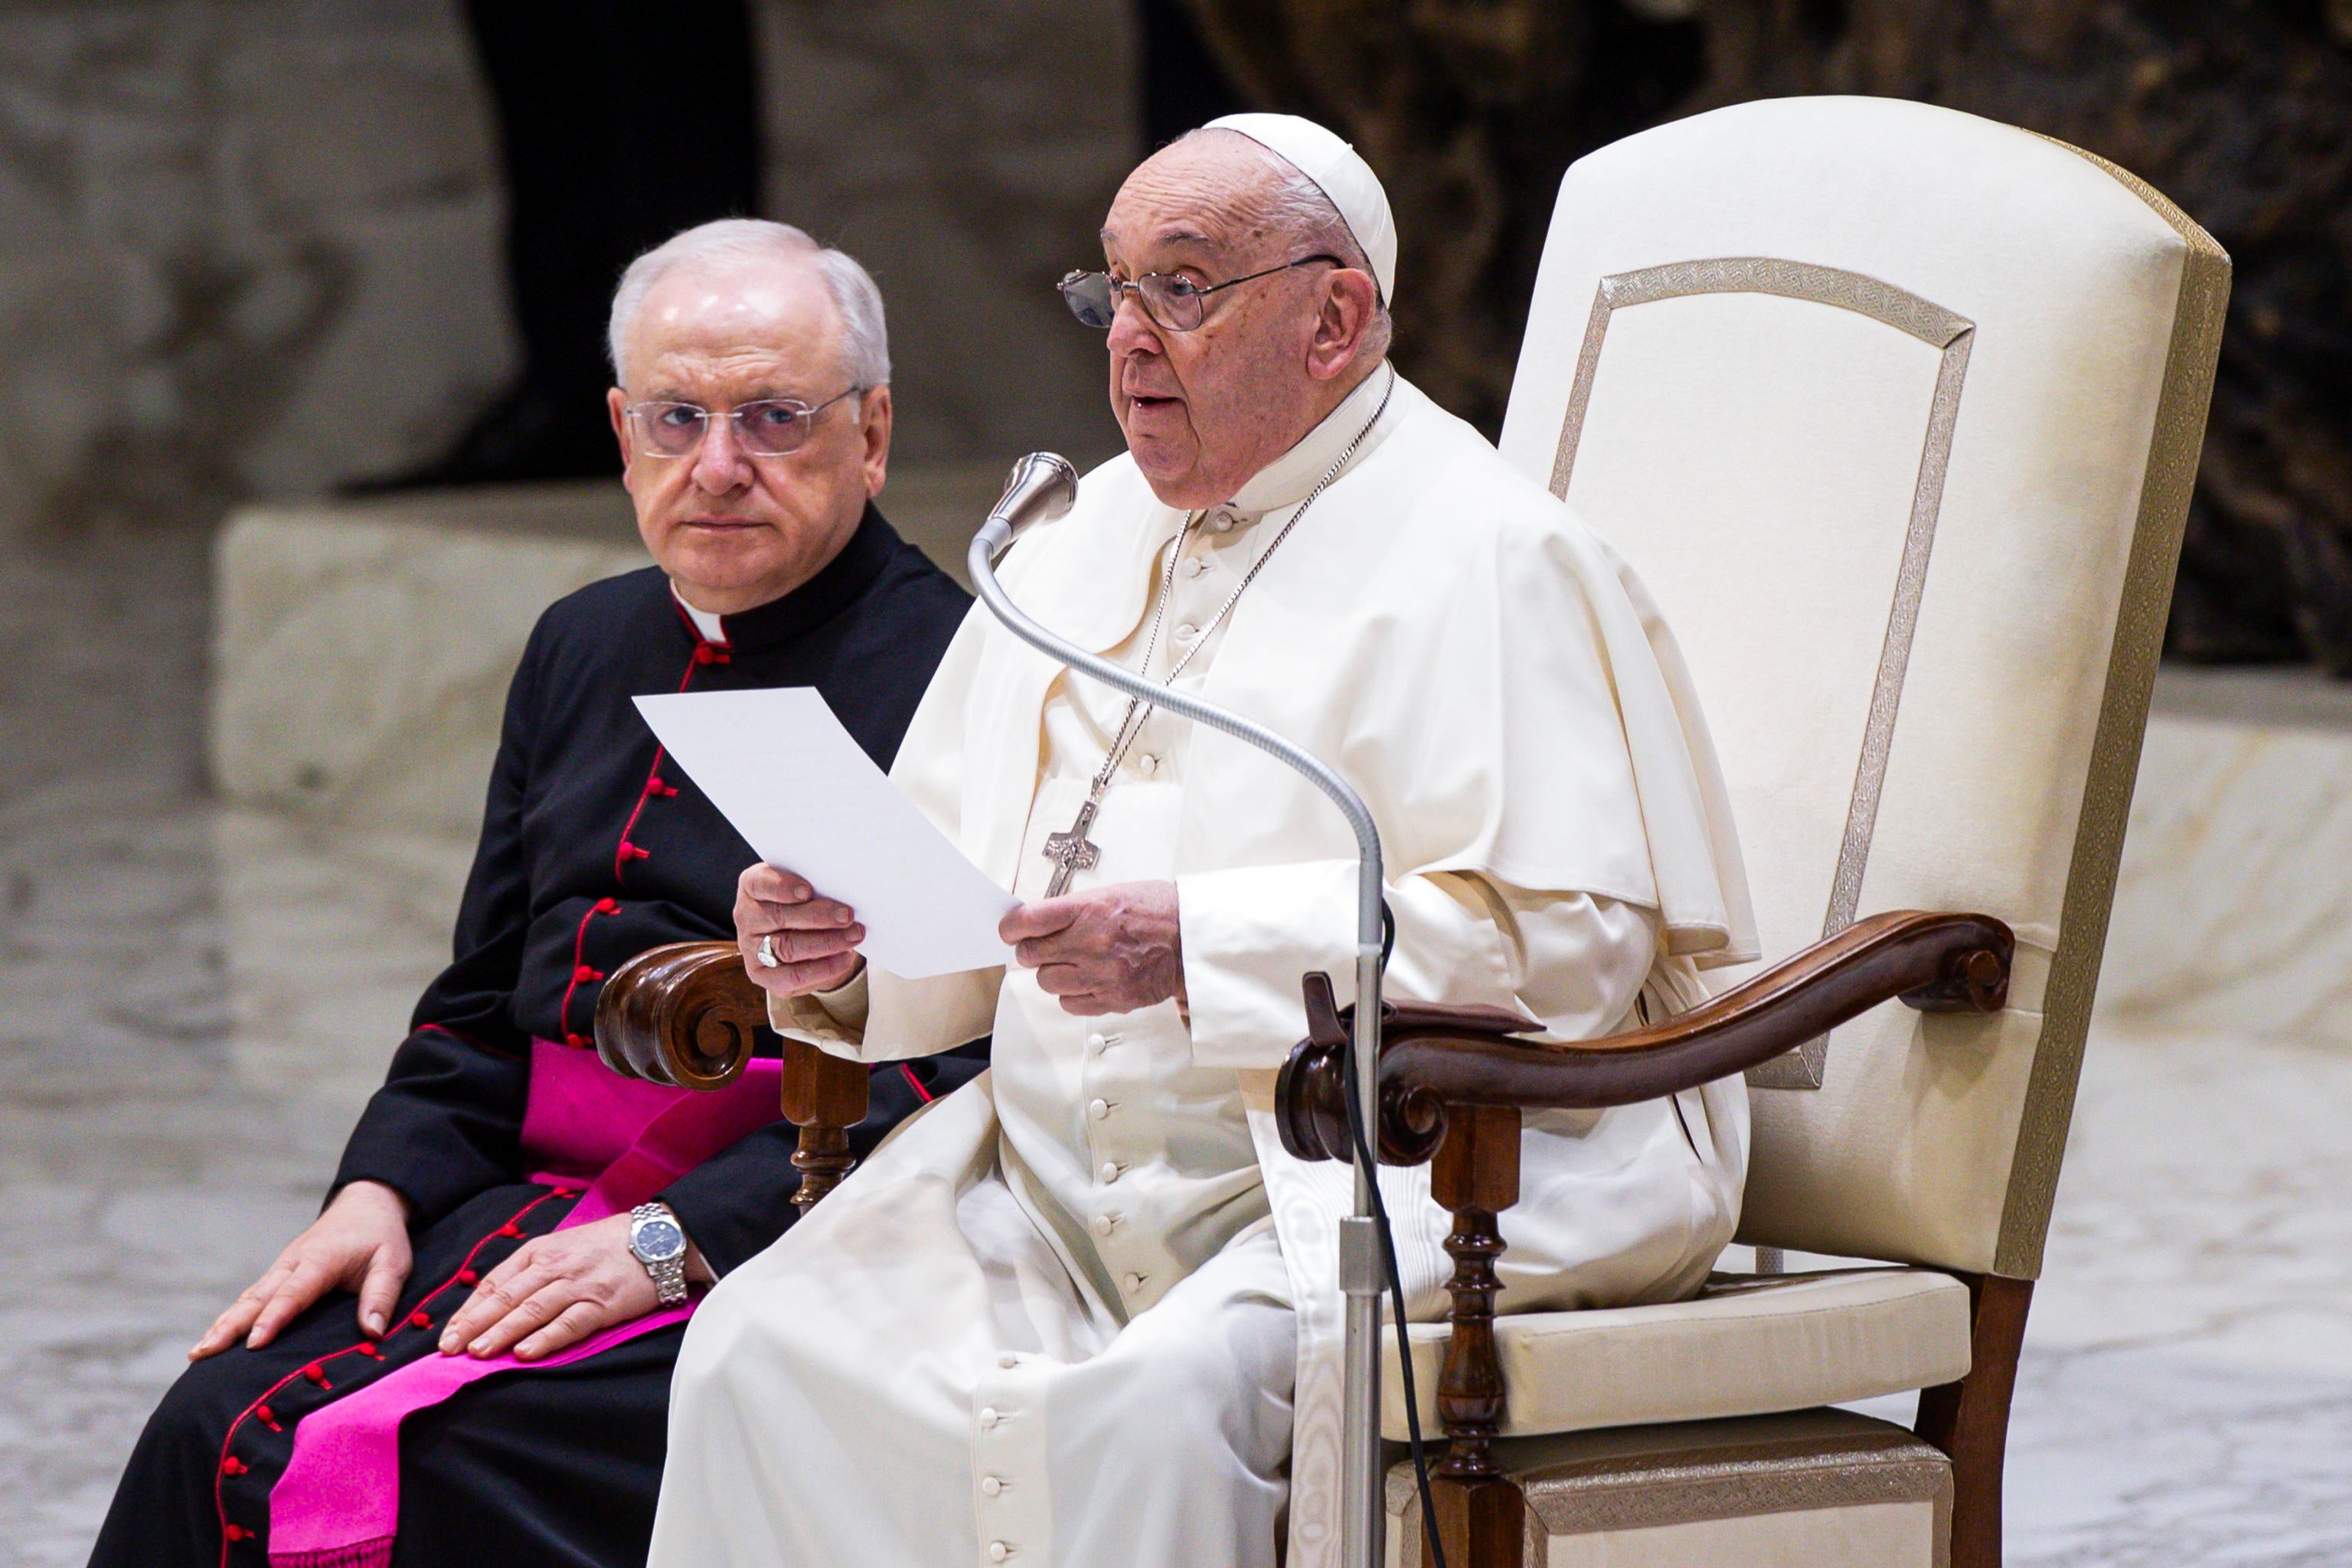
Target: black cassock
column 592, row 850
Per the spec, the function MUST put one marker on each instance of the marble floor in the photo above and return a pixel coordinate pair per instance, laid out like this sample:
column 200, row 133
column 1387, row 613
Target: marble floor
column 174, row 1087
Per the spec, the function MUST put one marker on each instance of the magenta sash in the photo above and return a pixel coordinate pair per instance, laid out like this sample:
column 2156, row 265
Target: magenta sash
column 338, row 1504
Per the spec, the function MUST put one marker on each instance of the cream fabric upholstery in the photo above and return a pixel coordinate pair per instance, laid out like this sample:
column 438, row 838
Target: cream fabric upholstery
column 1746, row 1344
column 1812, row 1489
column 1895, row 410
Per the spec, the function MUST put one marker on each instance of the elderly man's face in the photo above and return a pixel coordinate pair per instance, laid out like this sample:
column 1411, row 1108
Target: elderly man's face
column 1204, row 410
column 731, row 528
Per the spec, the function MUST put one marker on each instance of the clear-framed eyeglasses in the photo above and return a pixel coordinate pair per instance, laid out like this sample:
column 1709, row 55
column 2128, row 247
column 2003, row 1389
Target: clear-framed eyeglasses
column 1171, row 298
column 770, row 428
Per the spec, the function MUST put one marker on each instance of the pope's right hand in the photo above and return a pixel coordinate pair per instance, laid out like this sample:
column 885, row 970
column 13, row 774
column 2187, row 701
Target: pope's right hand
column 360, row 1243
column 813, row 938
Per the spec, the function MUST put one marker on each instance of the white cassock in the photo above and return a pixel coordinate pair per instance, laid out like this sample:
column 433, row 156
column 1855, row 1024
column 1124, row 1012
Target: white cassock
column 1086, row 1311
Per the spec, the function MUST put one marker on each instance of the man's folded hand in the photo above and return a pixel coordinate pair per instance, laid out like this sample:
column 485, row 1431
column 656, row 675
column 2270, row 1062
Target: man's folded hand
column 556, row 1290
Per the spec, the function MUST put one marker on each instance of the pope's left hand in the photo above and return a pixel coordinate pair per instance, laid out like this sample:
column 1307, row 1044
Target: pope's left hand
column 556, row 1290
column 1108, row 950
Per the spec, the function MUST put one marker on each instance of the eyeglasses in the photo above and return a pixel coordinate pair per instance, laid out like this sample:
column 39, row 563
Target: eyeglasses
column 770, row 428
column 1173, row 300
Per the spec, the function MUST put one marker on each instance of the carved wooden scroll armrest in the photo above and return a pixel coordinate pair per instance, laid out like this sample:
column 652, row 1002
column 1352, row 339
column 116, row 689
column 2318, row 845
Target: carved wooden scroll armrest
column 1433, row 1057
column 687, row 1015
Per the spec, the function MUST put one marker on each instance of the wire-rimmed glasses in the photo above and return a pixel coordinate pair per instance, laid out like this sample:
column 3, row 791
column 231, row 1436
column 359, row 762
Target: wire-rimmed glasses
column 1171, row 298
column 766, row 427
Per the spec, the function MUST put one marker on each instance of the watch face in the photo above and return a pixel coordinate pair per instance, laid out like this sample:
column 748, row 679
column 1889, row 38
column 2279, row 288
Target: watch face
column 656, row 1240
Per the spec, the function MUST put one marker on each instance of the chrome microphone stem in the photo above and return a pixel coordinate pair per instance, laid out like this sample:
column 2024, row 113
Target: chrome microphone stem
column 1362, row 1513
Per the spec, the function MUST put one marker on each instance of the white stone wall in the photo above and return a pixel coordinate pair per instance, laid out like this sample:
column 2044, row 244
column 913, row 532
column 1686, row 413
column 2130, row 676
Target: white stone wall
column 245, row 245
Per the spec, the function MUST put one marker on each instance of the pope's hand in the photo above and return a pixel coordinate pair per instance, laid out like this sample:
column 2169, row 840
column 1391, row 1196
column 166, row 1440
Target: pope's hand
column 556, row 1290
column 1108, row 950
column 813, row 939
column 360, row 1243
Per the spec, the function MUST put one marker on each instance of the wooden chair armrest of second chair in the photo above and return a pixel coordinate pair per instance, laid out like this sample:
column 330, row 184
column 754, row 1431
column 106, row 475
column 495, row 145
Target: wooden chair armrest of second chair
column 686, row 1015
column 1435, row 1059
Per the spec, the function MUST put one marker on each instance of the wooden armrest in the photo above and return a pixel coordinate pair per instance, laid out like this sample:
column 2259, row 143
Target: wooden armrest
column 686, row 1015
column 682, row 1015
column 1433, row 1057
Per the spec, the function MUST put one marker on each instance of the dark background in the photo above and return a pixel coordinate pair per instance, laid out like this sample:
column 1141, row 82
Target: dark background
column 2239, row 110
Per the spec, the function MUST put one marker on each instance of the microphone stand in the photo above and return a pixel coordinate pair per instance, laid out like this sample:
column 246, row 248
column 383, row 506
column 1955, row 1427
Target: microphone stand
column 1043, row 486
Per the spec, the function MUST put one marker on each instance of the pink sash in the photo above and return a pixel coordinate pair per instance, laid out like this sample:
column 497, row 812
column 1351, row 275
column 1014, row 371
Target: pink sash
column 338, row 1504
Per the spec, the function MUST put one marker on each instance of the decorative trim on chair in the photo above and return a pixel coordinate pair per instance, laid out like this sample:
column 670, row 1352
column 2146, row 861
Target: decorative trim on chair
column 1907, row 312
column 2174, row 448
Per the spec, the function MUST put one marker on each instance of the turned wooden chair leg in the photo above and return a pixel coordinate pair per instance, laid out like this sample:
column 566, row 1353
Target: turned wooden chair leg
column 825, row 1097
column 1968, row 1420
column 1481, row 1513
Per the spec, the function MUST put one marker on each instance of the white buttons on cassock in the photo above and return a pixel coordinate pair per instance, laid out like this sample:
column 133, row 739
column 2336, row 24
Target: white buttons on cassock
column 1105, row 1223
column 991, row 1485
column 988, row 1418
column 1095, row 1042
column 1194, row 566
column 998, row 1551
column 1008, row 1360
column 1186, row 631
column 1099, row 1109
column 1147, row 763
column 1133, row 1282
column 1221, row 521
column 1109, row 1172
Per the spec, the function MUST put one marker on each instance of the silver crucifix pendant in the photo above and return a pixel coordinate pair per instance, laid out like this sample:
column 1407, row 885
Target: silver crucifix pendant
column 1071, row 852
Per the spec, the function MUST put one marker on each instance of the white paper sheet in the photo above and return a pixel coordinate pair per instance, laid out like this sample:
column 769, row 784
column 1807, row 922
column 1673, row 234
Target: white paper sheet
column 778, row 765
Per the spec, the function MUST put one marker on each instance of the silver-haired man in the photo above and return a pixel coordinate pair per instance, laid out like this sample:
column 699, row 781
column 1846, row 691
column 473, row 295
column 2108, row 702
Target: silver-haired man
column 467, row 1357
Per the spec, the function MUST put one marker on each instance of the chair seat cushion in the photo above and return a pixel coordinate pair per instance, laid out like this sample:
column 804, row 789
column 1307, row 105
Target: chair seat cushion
column 1746, row 1344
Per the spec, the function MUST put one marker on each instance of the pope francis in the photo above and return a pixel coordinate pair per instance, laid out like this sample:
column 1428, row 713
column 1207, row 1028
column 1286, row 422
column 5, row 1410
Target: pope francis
column 1086, row 1311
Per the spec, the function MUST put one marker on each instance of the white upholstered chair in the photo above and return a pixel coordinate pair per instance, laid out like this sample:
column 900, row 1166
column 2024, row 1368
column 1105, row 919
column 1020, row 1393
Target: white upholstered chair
column 1895, row 411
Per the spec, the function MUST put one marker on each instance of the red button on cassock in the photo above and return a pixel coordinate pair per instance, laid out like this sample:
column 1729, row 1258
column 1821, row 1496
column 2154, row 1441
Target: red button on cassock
column 466, row 1277
column 420, row 1318
column 235, row 1531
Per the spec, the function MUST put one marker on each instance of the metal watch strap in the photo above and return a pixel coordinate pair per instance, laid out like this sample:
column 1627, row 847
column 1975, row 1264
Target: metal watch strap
column 669, row 1280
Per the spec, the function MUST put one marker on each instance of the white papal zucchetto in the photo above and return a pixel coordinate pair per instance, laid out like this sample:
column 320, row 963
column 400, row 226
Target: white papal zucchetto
column 1340, row 172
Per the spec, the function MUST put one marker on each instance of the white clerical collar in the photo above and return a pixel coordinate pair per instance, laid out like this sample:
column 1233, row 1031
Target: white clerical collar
column 712, row 627
column 1287, row 479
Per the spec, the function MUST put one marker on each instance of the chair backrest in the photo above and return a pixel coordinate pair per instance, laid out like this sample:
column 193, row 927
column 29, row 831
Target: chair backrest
column 1896, row 411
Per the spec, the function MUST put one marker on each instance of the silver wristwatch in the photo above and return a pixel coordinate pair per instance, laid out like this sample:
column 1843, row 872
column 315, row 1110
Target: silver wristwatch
column 659, row 1242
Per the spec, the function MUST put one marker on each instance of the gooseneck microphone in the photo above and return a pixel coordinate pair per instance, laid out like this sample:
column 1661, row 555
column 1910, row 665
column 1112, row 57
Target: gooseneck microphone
column 1042, row 486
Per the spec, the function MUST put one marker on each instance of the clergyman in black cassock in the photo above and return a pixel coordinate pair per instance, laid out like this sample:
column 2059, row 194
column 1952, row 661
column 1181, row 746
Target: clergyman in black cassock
column 592, row 850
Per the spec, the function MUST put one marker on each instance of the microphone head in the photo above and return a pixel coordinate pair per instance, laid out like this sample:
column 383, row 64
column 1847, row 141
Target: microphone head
column 1041, row 487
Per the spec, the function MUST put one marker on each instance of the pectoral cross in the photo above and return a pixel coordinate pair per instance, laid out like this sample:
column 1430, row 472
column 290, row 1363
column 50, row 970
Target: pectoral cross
column 1072, row 852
